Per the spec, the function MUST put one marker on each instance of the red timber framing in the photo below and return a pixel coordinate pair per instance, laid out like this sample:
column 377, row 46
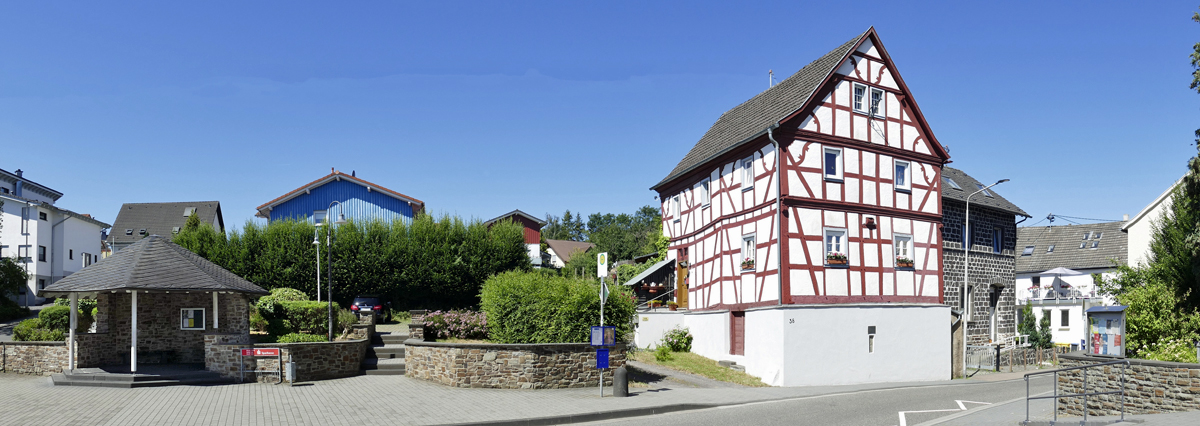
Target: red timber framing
column 710, row 234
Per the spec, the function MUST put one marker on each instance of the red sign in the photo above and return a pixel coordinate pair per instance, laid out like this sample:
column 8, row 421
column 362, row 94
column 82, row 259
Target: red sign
column 260, row 352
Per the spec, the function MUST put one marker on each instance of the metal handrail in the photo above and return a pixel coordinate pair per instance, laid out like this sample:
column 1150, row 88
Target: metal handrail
column 1085, row 394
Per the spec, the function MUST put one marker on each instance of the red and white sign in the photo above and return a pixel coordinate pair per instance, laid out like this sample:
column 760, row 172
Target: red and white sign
column 260, row 352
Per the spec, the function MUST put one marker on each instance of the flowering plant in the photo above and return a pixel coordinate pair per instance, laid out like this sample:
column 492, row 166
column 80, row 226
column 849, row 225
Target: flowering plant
column 903, row 260
column 748, row 263
column 833, row 255
column 462, row 324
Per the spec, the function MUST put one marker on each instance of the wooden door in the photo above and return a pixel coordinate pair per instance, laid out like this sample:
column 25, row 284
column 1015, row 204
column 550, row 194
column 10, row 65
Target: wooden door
column 737, row 333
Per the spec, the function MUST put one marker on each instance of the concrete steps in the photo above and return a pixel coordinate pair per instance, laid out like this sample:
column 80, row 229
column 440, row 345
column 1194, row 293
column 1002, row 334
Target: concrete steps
column 128, row 381
column 385, row 357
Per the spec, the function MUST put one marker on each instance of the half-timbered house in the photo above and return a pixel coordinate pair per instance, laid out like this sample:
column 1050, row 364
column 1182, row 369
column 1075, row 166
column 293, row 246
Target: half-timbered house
column 853, row 291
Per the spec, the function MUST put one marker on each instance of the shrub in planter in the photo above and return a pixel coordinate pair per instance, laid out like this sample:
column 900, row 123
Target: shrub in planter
column 526, row 307
column 266, row 304
column 678, row 339
column 459, row 324
column 303, row 317
column 346, row 320
column 32, row 330
column 55, row 317
column 300, row 338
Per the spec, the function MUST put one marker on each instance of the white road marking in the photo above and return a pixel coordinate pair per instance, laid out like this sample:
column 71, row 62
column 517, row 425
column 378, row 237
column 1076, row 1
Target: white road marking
column 961, row 407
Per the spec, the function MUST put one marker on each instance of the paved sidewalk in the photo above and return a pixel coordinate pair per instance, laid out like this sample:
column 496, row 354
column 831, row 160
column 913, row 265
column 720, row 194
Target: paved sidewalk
column 33, row 400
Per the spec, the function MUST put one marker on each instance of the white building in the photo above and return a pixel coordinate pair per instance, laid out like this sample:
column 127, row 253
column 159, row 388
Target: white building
column 1054, row 272
column 1141, row 228
column 808, row 218
column 51, row 242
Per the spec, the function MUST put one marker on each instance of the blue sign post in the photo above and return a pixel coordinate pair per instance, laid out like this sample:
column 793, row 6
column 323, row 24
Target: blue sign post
column 602, row 337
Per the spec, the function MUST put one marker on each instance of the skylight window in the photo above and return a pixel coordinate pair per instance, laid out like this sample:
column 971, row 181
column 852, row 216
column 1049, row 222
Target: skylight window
column 985, row 192
column 1095, row 244
column 1050, row 249
column 1097, row 235
column 1087, row 235
column 1083, row 244
column 128, row 232
column 952, row 183
column 1028, row 251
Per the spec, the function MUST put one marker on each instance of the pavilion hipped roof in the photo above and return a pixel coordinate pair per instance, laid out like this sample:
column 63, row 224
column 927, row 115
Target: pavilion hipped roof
column 153, row 264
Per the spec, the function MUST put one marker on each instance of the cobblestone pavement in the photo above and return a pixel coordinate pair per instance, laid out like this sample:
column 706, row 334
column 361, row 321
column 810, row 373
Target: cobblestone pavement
column 33, row 400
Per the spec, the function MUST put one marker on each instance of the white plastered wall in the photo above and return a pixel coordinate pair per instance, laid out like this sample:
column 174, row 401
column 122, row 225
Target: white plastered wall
column 652, row 325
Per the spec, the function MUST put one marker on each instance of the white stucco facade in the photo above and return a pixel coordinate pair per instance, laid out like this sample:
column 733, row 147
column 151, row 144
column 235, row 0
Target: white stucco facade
column 1140, row 229
column 51, row 242
column 795, row 345
column 1054, row 296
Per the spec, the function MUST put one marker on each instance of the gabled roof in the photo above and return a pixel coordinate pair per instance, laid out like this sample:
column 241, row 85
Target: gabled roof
column 516, row 213
column 81, row 216
column 1113, row 244
column 750, row 120
column 161, row 218
column 29, row 185
column 152, row 264
column 968, row 185
column 264, row 210
column 1153, row 204
column 566, row 248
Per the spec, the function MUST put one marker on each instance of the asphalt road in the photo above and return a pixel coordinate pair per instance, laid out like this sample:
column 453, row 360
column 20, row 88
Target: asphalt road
column 877, row 407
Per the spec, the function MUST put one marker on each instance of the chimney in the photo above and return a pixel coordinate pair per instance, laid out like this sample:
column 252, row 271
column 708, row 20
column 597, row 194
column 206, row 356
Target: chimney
column 352, row 173
column 1125, row 218
column 20, row 183
column 20, row 173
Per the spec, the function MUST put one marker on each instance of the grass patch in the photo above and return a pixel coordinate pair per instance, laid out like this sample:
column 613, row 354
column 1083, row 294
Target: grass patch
column 688, row 362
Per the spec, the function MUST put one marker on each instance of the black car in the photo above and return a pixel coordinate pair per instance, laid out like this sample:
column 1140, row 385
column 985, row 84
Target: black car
column 368, row 305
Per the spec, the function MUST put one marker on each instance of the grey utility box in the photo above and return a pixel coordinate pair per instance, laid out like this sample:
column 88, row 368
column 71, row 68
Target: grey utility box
column 1106, row 331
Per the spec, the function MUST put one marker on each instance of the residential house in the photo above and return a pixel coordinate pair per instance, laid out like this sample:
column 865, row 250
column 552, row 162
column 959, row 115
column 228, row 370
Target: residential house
column 990, row 308
column 1140, row 229
column 839, row 160
column 358, row 199
column 51, row 242
column 1054, row 272
column 136, row 221
column 532, row 230
column 561, row 251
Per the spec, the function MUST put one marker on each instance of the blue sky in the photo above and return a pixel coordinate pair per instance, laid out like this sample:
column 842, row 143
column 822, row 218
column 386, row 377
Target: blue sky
column 481, row 108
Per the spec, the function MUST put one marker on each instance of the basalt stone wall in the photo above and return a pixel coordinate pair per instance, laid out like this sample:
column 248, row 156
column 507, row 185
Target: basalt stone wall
column 314, row 361
column 98, row 349
column 514, row 366
column 159, row 323
column 39, row 358
column 1150, row 386
column 986, row 267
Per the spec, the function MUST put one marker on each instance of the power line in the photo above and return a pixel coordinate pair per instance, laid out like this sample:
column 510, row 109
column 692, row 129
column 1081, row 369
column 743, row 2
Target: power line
column 1084, row 218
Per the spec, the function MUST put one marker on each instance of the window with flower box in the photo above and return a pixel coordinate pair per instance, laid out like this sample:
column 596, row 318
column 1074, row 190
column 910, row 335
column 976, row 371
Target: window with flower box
column 903, row 246
column 835, row 247
column 748, row 249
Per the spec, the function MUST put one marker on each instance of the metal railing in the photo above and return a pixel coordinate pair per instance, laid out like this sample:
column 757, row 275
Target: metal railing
column 1124, row 364
column 983, row 357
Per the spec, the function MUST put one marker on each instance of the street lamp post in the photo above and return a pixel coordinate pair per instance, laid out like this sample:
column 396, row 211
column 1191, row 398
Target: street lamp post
column 329, row 282
column 966, row 258
column 317, row 242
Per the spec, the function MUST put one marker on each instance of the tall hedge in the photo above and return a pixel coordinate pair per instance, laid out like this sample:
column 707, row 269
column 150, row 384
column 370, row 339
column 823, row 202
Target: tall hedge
column 431, row 263
column 530, row 307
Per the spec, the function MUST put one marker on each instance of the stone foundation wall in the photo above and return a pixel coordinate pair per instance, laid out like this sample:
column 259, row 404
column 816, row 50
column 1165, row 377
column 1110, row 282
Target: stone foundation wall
column 522, row 366
column 158, row 323
column 38, row 358
column 98, row 349
column 1150, row 386
column 314, row 361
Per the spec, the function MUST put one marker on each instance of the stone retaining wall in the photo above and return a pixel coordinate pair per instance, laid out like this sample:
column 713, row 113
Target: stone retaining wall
column 314, row 361
column 511, row 366
column 1150, row 386
column 39, row 358
column 97, row 349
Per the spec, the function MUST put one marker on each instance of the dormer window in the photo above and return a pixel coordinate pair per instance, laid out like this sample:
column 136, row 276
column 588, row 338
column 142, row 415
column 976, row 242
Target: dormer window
column 128, row 232
column 141, row 232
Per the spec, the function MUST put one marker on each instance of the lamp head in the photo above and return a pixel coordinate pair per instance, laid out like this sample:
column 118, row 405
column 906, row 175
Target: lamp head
column 1001, row 181
column 341, row 220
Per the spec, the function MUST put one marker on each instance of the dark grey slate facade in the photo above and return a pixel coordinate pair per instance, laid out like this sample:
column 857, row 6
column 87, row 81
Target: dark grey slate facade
column 990, row 275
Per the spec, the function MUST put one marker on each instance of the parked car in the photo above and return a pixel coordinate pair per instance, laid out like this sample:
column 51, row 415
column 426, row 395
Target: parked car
column 368, row 305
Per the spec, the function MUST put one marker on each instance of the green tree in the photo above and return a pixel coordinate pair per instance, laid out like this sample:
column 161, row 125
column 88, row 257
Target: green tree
column 1038, row 331
column 12, row 277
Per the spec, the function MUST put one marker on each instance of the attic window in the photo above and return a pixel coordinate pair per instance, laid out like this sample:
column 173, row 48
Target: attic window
column 141, row 232
column 1086, row 235
column 1050, row 249
column 128, row 232
column 985, row 191
column 189, row 211
column 1097, row 235
column 952, row 183
column 1028, row 251
column 175, row 230
column 1095, row 244
column 1083, row 244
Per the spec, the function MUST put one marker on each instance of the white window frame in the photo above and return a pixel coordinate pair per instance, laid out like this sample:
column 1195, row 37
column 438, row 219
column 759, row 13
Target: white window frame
column 705, row 194
column 842, row 244
column 747, row 168
column 749, row 249
column 320, row 216
column 183, row 312
column 839, row 167
column 907, row 186
column 675, row 205
column 859, row 104
column 907, row 246
column 880, row 109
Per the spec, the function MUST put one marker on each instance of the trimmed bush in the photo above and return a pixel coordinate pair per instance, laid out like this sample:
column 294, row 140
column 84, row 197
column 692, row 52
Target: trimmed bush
column 32, row 330
column 678, row 339
column 266, row 304
column 300, row 338
column 55, row 317
column 305, row 317
column 527, row 307
column 457, row 324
